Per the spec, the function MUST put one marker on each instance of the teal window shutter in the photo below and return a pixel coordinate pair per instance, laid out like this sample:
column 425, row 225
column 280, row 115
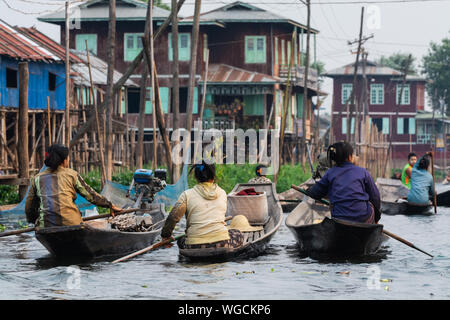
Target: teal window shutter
column 184, row 47
column 344, row 126
column 255, row 49
column 164, row 94
column 385, row 125
column 276, row 50
column 170, row 47
column 254, row 105
column 283, row 56
column 123, row 104
column 346, row 92
column 405, row 94
column 80, row 42
column 148, row 101
column 377, row 93
column 132, row 45
column 195, row 105
column 412, row 125
column 400, row 123
column 300, row 98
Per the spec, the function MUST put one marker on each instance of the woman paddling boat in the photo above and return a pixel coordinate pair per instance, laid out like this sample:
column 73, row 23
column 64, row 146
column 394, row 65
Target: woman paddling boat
column 50, row 200
column 352, row 191
column 204, row 207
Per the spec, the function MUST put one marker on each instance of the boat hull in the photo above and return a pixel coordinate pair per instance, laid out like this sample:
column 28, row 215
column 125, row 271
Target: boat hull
column 405, row 208
column 255, row 243
column 85, row 241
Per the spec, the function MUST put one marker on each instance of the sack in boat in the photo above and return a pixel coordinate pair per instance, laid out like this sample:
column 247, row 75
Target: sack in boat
column 251, row 205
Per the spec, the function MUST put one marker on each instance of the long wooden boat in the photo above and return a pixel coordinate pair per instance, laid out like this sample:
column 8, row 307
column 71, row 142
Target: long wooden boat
column 255, row 242
column 87, row 241
column 290, row 199
column 404, row 207
column 443, row 195
column 319, row 235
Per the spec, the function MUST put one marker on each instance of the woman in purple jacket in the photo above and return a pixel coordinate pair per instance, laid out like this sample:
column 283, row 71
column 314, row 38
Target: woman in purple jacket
column 351, row 190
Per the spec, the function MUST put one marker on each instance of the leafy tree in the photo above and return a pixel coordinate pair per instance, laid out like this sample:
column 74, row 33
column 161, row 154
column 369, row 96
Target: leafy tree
column 320, row 67
column 398, row 61
column 436, row 67
column 160, row 4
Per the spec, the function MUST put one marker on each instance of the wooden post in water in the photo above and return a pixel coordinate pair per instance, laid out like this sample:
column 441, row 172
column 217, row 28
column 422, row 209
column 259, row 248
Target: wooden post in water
column 23, row 127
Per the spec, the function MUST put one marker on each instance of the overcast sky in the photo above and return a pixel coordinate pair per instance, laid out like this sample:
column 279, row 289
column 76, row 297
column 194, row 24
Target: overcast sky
column 406, row 26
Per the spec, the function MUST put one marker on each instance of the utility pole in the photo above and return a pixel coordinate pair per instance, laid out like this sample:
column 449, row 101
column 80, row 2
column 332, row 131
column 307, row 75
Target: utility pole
column 67, row 111
column 109, row 89
column 351, row 100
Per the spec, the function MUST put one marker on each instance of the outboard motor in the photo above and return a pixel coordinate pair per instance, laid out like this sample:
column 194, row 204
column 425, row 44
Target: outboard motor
column 146, row 185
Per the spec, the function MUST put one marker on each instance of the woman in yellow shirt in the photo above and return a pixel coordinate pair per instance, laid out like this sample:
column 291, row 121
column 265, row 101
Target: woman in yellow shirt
column 204, row 207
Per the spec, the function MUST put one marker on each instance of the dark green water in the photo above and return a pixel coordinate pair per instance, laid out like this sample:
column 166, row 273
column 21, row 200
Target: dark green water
column 399, row 272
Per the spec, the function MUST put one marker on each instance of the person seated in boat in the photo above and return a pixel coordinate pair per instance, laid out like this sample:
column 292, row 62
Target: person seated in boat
column 406, row 172
column 352, row 192
column 422, row 186
column 204, row 207
column 53, row 191
column 260, row 176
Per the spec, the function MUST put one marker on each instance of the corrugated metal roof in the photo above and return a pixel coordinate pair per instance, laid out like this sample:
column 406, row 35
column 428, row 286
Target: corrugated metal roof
column 225, row 74
column 99, row 11
column 16, row 45
column 371, row 69
column 48, row 43
column 80, row 71
column 240, row 11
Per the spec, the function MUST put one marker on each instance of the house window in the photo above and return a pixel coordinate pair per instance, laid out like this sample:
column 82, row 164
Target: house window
column 255, row 49
column 164, row 96
column 382, row 124
column 51, row 81
column 406, row 126
column 132, row 46
column 80, row 42
column 405, row 95
column 377, row 93
column 346, row 92
column 184, row 47
column 11, row 78
column 344, row 126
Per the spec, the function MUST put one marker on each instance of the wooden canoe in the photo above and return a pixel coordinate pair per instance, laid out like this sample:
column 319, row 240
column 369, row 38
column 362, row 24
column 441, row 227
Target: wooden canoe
column 256, row 242
column 443, row 196
column 289, row 199
column 87, row 241
column 404, row 207
column 319, row 235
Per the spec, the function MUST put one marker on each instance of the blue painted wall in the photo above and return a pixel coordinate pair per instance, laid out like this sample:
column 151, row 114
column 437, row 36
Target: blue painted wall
column 38, row 85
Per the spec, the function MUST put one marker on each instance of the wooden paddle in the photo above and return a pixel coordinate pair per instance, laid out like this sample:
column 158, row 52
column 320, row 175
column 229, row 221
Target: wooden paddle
column 156, row 246
column 393, row 236
column 100, row 216
column 434, row 181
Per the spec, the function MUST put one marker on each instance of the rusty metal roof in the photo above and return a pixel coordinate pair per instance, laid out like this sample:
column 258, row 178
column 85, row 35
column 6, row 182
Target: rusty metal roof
column 16, row 45
column 226, row 74
column 48, row 43
column 372, row 68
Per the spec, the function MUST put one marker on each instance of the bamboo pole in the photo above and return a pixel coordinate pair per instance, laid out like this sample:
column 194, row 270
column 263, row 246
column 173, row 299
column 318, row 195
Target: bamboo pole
column 23, row 126
column 99, row 133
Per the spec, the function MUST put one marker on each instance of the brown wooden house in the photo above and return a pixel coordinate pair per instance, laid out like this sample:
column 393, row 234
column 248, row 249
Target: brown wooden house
column 249, row 50
column 402, row 121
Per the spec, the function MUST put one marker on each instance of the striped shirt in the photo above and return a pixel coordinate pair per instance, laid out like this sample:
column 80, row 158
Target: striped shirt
column 52, row 197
